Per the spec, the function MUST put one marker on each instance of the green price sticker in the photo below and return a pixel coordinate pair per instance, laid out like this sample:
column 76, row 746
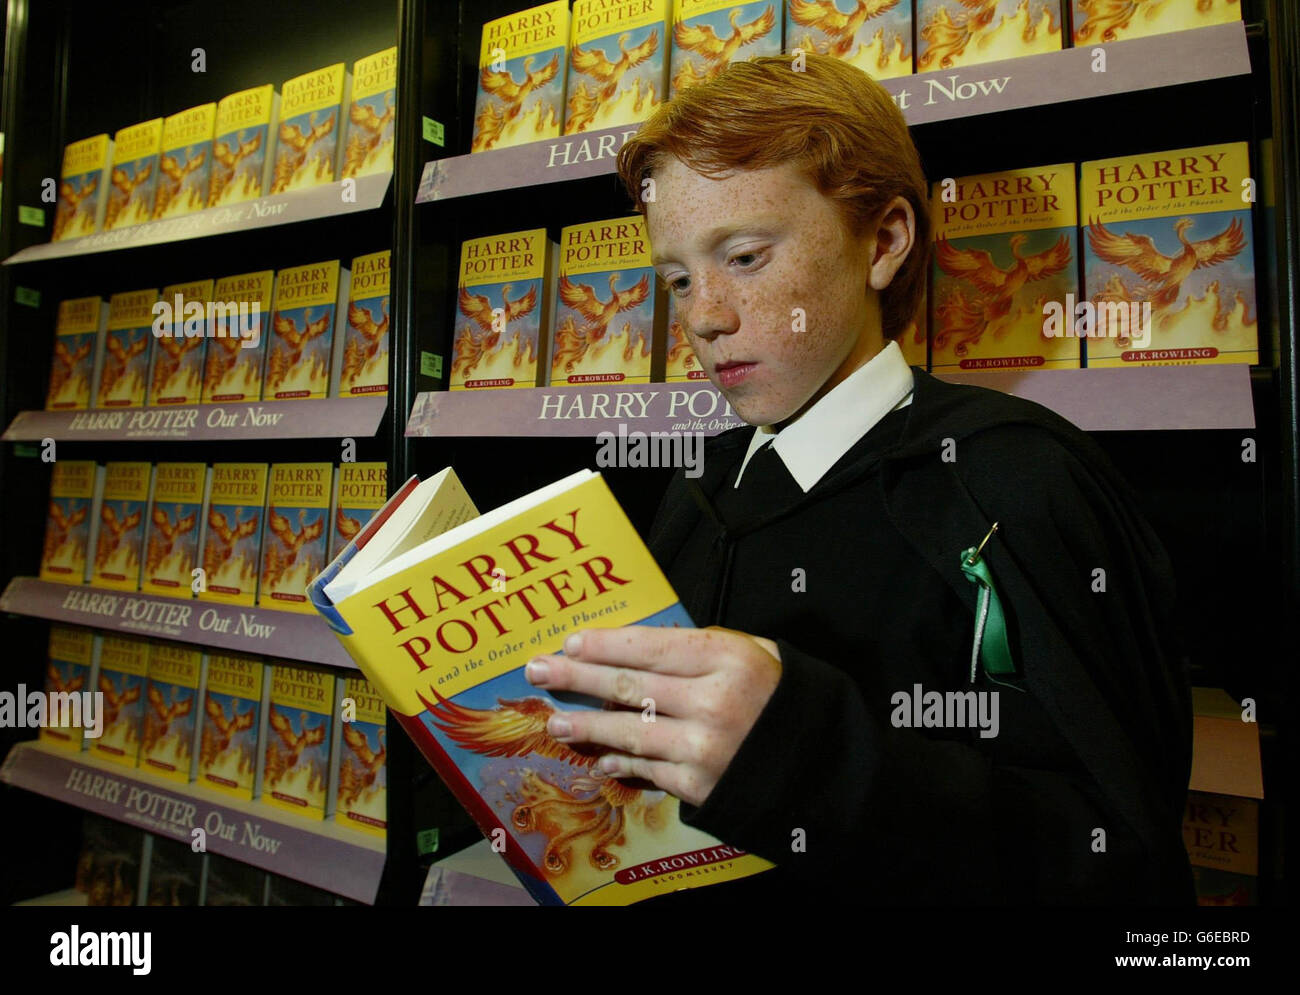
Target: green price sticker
column 33, row 216
column 431, row 364
column 426, row 841
column 433, row 131
column 27, row 296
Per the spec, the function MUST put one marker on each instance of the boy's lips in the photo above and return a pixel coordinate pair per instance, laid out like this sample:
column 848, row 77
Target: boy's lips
column 734, row 371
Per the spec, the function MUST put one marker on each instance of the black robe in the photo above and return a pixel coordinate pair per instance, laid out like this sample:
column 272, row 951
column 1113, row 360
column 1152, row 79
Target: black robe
column 1078, row 799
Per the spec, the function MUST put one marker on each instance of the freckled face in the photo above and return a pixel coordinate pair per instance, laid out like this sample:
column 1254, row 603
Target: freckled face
column 739, row 255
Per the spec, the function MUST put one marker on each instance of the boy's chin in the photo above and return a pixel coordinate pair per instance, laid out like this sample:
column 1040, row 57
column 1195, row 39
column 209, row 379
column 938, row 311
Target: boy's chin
column 754, row 410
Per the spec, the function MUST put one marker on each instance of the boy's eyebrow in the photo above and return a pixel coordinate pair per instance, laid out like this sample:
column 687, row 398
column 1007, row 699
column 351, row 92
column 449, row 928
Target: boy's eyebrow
column 713, row 237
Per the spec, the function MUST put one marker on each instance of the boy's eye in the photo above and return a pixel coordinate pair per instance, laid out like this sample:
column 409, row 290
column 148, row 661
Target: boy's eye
column 678, row 285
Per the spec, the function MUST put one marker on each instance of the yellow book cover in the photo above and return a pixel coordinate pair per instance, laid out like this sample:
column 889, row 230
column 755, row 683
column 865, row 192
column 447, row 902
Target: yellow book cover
column 499, row 337
column 67, row 674
column 300, row 729
column 360, row 490
column 708, row 35
column 67, row 523
column 372, row 116
column 952, row 33
column 240, row 145
column 171, row 545
column 443, row 631
column 135, row 174
column 608, row 303
column 1169, row 249
column 618, row 62
column 171, row 710
column 875, row 37
column 365, row 346
column 307, row 136
column 296, row 539
column 181, row 328
column 913, row 340
column 232, row 715
column 185, row 165
column 232, row 530
column 120, row 541
column 82, row 188
column 680, row 361
column 124, row 374
column 1106, row 21
column 301, row 348
column 363, row 774
column 76, row 335
column 123, row 672
column 1005, row 265
column 521, row 77
column 237, row 352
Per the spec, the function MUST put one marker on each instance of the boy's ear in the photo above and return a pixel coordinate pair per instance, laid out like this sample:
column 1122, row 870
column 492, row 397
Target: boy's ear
column 895, row 232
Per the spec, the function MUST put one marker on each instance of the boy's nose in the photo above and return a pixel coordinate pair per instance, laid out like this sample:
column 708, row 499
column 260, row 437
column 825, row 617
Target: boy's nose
column 712, row 315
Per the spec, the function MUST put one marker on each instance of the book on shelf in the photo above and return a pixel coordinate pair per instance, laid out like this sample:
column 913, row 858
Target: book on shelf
column 172, row 872
column 237, row 352
column 68, row 671
column 123, row 671
column 708, row 35
column 372, row 115
column 78, row 332
column 362, row 759
column 954, row 33
column 173, row 528
column 84, row 179
column 176, row 369
column 171, row 710
column 522, row 62
column 135, row 174
column 295, row 539
column 680, row 361
column 301, row 359
column 299, row 773
column 875, row 37
column 109, row 863
column 441, row 608
column 232, row 532
column 245, row 127
column 123, row 508
column 364, row 369
column 618, row 62
column 609, row 306
column 124, row 367
column 235, row 698
column 1100, row 21
column 185, row 163
column 1005, row 270
column 65, row 553
column 360, row 489
column 307, row 138
column 503, row 301
column 231, row 883
column 1168, row 247
column 914, row 339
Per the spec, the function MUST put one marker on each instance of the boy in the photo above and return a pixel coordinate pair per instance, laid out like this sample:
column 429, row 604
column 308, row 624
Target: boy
column 831, row 550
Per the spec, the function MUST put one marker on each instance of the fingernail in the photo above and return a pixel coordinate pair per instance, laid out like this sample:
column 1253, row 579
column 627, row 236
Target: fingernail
column 573, row 645
column 610, row 765
column 537, row 672
column 559, row 726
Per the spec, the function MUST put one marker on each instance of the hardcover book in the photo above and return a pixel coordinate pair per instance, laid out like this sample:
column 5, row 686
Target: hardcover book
column 372, row 116
column 232, row 532
column 83, row 188
column 119, row 544
column 171, row 545
column 504, row 288
column 78, row 331
column 295, row 540
column 953, row 33
column 1004, row 270
column 171, row 710
column 1169, row 247
column 185, row 166
column 67, row 525
column 237, row 352
column 360, row 490
column 1099, row 21
column 124, row 375
column 241, row 162
column 300, row 727
column 874, row 36
column 172, row 872
column 365, row 342
column 521, row 77
column 680, row 361
column 441, row 612
column 308, row 133
column 618, row 62
column 708, row 35
column 68, row 674
column 123, row 672
column 176, row 373
column 235, row 695
column 608, row 306
column 135, row 174
column 363, row 776
column 299, row 358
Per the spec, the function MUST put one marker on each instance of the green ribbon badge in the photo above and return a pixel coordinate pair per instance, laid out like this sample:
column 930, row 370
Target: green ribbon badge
column 990, row 646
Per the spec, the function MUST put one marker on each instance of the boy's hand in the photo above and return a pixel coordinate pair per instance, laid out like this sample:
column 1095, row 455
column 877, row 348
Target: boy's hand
column 707, row 688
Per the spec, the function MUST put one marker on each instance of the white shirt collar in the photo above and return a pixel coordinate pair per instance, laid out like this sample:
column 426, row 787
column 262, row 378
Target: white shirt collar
column 817, row 440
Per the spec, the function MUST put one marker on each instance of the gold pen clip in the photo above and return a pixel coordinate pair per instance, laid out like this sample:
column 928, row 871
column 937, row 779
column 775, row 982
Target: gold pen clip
column 974, row 557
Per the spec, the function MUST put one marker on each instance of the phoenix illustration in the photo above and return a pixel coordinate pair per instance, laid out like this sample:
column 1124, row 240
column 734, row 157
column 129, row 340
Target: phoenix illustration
column 226, row 162
column 115, row 702
column 501, row 84
column 65, row 361
column 679, row 348
column 222, row 537
column 173, row 178
column 223, row 355
column 363, row 137
column 117, row 358
column 219, row 731
column 948, row 38
column 594, row 63
column 571, row 340
column 295, row 147
column 347, row 526
column 111, row 532
column 54, row 681
column 358, row 772
column 471, row 346
column 1106, row 18
column 173, row 349
column 58, row 526
column 717, row 51
column 162, row 712
column 361, row 348
column 841, row 28
column 284, row 751
column 124, row 186
column 279, row 558
column 284, row 357
column 70, row 199
column 163, row 535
